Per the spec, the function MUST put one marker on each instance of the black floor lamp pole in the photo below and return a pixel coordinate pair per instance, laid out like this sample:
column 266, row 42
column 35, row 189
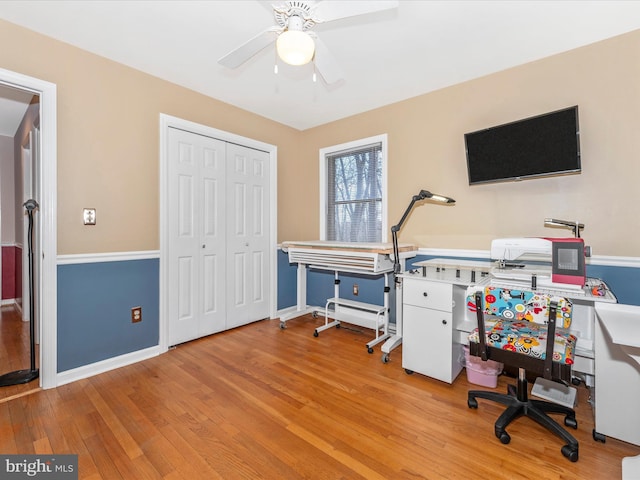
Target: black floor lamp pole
column 26, row 376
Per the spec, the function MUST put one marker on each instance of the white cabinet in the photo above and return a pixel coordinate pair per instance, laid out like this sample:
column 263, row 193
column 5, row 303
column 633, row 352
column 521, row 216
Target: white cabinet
column 617, row 388
column 428, row 342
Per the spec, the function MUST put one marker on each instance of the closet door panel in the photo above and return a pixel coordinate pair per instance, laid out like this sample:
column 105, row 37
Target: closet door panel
column 196, row 236
column 247, row 238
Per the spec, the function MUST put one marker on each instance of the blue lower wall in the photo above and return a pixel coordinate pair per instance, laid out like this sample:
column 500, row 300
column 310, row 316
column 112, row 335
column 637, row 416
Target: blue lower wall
column 623, row 281
column 95, row 301
column 94, row 310
column 320, row 286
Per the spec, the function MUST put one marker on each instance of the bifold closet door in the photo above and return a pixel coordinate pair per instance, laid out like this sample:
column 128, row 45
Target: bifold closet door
column 248, row 224
column 197, row 244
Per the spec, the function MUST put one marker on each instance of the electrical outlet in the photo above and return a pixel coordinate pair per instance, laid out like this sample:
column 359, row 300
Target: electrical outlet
column 136, row 314
column 355, row 289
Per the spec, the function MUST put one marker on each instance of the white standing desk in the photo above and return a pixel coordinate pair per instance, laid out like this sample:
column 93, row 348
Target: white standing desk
column 373, row 259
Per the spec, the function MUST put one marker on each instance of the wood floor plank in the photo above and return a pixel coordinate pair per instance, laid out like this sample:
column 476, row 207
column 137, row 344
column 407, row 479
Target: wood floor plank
column 258, row 402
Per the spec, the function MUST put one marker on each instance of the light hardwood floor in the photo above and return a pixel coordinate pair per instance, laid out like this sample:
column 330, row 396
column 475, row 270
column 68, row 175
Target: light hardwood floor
column 260, row 403
column 14, row 351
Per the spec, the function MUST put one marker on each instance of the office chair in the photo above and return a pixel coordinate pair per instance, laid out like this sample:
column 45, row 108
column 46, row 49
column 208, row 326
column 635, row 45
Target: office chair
column 516, row 336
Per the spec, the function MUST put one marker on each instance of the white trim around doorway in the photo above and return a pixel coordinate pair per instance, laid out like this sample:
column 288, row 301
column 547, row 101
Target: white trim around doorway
column 48, row 285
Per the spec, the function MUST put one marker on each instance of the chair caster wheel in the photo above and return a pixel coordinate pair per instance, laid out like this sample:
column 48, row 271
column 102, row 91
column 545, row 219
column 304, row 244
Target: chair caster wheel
column 385, row 358
column 570, row 452
column 314, row 314
column 369, row 350
column 315, row 333
column 472, row 403
column 282, row 326
column 503, row 436
column 571, row 422
column 598, row 437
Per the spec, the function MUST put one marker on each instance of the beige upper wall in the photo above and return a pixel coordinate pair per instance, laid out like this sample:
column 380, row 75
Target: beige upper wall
column 426, row 151
column 108, row 149
column 108, row 139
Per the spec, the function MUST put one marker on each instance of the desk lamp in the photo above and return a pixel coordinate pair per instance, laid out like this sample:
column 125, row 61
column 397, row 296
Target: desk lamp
column 423, row 195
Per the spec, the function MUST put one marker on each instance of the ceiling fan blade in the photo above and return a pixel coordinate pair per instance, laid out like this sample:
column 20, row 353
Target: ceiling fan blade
column 328, row 10
column 244, row 52
column 326, row 64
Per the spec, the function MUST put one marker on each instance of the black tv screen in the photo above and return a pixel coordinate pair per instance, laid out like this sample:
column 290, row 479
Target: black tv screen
column 538, row 146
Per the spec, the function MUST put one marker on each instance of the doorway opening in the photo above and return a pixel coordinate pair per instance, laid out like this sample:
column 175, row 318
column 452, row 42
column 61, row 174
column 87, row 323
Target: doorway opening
column 33, row 173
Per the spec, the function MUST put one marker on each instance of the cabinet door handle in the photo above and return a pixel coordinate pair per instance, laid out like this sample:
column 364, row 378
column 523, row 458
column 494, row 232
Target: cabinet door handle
column 425, row 294
column 444, row 322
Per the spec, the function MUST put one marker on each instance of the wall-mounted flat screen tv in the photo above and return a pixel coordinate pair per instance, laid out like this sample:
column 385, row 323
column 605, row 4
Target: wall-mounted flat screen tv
column 538, row 146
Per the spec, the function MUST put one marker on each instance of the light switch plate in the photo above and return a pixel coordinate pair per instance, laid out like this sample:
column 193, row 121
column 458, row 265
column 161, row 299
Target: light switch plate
column 89, row 216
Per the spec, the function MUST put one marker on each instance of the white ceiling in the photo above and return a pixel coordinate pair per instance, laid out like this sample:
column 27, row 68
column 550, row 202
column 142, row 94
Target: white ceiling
column 386, row 57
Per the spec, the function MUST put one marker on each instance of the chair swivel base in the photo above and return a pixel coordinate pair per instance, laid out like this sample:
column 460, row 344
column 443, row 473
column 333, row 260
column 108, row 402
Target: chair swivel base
column 519, row 405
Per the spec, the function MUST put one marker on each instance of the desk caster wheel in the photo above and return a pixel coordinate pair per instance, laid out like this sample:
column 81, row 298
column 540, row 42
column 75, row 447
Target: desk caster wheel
column 315, row 333
column 503, row 436
column 570, row 452
column 314, row 314
column 571, row 422
column 282, row 325
column 385, row 358
column 408, row 372
column 598, row 437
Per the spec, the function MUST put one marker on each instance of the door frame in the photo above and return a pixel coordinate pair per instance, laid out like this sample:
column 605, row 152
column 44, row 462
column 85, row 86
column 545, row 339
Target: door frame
column 166, row 122
column 47, row 172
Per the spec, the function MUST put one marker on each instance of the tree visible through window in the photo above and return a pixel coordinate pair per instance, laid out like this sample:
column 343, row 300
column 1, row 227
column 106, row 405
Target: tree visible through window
column 354, row 194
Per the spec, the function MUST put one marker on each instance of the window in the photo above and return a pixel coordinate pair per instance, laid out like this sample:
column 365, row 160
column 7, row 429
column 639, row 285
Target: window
column 353, row 191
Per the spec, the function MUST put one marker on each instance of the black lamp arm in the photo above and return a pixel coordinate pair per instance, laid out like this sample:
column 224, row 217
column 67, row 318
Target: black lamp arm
column 396, row 228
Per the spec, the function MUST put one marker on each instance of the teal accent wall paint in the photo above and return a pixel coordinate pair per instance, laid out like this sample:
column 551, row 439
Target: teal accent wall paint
column 94, row 310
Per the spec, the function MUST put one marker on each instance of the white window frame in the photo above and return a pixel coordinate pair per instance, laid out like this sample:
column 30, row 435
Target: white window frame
column 327, row 151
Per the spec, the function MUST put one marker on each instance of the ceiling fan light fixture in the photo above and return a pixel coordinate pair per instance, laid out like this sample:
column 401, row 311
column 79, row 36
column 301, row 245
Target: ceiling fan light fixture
column 295, row 47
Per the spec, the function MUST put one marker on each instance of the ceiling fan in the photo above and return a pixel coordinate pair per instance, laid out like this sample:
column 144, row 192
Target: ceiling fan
column 296, row 43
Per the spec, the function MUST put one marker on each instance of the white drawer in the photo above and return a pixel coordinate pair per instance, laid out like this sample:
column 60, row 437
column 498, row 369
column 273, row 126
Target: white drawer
column 421, row 293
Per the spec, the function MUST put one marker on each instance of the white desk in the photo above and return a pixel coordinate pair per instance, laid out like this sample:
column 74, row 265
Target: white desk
column 462, row 274
column 618, row 372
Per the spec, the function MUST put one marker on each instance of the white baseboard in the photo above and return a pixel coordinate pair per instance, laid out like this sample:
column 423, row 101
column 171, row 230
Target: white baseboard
column 87, row 371
column 285, row 311
column 11, row 302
